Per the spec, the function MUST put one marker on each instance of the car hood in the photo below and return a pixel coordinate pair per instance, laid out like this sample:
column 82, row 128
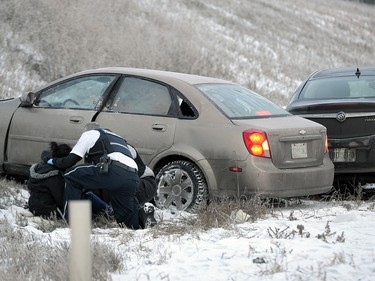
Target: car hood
column 7, row 109
column 7, row 99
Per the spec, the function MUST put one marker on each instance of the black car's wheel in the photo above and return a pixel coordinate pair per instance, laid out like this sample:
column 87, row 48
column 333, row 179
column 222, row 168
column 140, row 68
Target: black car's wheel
column 181, row 185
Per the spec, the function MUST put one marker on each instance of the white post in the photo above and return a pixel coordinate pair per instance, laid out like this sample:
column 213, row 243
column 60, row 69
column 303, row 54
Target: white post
column 80, row 248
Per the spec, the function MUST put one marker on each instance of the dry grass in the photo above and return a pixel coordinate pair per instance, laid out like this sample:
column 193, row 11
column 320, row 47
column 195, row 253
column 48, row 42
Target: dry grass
column 10, row 193
column 217, row 214
column 23, row 255
column 267, row 45
column 26, row 256
column 32, row 251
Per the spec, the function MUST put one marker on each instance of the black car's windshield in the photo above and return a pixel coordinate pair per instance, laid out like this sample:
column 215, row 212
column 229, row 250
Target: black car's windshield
column 339, row 88
column 239, row 102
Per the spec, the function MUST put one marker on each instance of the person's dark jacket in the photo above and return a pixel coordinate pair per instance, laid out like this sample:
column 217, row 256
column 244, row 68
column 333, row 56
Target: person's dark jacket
column 147, row 187
column 46, row 186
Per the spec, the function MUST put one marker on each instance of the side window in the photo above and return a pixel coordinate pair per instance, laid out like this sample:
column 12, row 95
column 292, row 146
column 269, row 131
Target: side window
column 140, row 96
column 185, row 109
column 83, row 93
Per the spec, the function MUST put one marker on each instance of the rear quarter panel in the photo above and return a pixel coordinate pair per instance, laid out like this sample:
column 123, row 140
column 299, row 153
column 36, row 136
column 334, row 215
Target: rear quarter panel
column 215, row 144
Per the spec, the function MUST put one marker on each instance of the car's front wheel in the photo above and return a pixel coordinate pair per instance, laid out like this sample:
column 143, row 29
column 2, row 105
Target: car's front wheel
column 181, row 185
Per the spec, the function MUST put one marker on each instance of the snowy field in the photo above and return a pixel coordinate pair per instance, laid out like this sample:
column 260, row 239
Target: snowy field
column 269, row 46
column 307, row 240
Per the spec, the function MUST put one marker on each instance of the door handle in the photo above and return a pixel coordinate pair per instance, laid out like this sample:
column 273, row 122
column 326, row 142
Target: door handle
column 159, row 127
column 76, row 119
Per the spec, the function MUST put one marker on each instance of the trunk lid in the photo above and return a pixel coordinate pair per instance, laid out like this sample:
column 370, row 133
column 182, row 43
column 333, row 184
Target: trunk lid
column 342, row 118
column 294, row 142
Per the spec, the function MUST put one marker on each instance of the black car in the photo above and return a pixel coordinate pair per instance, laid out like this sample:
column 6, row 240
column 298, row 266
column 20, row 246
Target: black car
column 343, row 100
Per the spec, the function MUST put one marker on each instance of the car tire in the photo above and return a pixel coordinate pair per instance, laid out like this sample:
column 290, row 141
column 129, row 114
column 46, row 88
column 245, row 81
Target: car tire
column 181, row 186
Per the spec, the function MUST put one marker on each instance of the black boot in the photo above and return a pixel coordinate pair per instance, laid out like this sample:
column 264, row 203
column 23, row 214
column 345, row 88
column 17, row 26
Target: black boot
column 147, row 216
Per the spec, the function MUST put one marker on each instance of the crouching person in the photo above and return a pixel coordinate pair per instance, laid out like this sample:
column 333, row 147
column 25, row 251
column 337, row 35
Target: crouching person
column 145, row 192
column 109, row 166
column 147, row 187
column 46, row 184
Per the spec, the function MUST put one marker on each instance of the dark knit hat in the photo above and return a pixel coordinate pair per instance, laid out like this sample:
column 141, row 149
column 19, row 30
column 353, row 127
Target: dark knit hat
column 59, row 150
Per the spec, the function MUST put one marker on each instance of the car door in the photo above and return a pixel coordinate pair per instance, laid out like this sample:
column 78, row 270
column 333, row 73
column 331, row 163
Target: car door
column 59, row 113
column 140, row 111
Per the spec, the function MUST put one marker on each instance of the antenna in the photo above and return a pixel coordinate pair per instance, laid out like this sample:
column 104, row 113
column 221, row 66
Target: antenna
column 358, row 73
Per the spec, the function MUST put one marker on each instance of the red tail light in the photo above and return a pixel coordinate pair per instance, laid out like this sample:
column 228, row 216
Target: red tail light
column 326, row 150
column 256, row 143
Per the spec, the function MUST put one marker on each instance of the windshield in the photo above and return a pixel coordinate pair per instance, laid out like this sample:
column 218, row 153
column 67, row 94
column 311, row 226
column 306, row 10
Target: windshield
column 238, row 102
column 339, row 88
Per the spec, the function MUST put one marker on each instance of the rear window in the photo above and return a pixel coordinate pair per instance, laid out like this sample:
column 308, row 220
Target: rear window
column 339, row 88
column 238, row 102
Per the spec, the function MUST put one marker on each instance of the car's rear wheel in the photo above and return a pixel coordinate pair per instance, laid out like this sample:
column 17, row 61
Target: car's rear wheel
column 181, row 186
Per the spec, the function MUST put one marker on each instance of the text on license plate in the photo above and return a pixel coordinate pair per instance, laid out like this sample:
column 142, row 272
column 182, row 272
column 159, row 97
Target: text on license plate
column 299, row 150
column 344, row 155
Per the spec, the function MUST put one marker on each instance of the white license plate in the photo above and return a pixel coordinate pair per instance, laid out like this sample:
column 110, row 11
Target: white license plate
column 299, row 150
column 344, row 155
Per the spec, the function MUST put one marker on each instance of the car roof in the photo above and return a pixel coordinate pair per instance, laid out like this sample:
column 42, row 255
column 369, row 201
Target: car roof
column 165, row 76
column 343, row 71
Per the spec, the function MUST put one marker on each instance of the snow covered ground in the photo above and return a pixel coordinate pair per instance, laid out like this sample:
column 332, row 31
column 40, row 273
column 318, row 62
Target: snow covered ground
column 274, row 45
column 307, row 240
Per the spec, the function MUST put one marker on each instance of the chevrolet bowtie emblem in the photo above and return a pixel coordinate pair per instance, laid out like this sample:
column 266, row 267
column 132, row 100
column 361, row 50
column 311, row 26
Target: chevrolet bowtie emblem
column 302, row 132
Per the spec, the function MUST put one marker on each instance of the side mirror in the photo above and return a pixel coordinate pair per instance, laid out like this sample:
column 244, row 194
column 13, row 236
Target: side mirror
column 27, row 100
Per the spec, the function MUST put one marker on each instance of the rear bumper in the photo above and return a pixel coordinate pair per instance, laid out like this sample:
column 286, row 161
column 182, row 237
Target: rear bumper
column 262, row 178
column 365, row 154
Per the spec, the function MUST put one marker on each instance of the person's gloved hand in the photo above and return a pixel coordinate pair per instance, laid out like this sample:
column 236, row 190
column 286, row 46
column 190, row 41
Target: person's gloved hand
column 50, row 161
